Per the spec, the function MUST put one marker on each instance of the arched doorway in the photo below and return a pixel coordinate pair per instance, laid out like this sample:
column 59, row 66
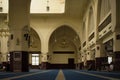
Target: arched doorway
column 63, row 48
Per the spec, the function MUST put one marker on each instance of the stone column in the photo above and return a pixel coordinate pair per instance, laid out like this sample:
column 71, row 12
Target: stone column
column 44, row 61
column 44, row 53
column 19, row 22
column 4, row 36
column 79, row 60
column 100, row 55
column 115, row 10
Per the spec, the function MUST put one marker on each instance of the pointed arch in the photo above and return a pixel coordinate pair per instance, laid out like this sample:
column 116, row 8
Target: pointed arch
column 35, row 41
column 91, row 26
column 71, row 35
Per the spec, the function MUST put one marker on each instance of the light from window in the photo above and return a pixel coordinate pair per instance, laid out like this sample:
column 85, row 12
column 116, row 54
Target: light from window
column 4, row 6
column 35, row 59
column 47, row 6
column 109, row 60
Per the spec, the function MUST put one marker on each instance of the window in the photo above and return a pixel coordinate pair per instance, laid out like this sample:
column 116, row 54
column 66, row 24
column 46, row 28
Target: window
column 109, row 60
column 35, row 59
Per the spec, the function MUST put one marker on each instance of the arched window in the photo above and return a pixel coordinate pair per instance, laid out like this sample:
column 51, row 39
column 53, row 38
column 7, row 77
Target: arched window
column 91, row 21
column 105, row 8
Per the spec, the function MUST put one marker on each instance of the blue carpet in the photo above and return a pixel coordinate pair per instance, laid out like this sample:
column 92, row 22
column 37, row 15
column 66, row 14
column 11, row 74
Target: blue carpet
column 12, row 74
column 51, row 75
column 107, row 74
column 70, row 75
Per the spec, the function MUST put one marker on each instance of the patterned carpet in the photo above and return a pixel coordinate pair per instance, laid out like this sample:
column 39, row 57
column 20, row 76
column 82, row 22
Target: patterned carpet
column 60, row 75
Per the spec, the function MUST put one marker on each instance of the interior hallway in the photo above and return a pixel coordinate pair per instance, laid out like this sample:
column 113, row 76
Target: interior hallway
column 80, row 37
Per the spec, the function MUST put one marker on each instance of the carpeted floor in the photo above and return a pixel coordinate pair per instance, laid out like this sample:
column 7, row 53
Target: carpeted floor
column 71, row 75
column 54, row 75
column 12, row 74
column 108, row 74
column 48, row 75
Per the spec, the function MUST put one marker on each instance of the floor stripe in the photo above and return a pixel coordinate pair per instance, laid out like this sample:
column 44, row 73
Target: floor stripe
column 60, row 76
column 110, row 78
column 6, row 73
column 24, row 75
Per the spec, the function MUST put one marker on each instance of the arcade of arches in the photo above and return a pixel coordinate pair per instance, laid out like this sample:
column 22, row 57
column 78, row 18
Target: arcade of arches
column 87, row 33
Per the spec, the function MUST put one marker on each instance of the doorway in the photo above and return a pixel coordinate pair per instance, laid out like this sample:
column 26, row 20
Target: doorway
column 71, row 63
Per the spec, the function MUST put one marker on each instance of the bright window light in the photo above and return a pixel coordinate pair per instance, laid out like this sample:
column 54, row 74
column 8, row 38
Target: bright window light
column 4, row 6
column 47, row 6
column 35, row 59
column 39, row 6
column 109, row 60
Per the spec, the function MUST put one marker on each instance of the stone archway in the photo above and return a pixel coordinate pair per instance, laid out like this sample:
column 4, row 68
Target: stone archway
column 63, row 48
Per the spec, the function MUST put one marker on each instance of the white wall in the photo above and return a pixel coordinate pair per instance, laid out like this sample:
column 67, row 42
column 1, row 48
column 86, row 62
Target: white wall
column 45, row 25
column 61, row 58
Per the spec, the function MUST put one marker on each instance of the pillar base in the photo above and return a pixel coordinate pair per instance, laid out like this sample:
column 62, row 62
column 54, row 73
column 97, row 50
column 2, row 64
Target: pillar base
column 19, row 61
column 91, row 64
column 81, row 65
column 100, row 63
column 44, row 65
column 6, row 66
column 116, row 62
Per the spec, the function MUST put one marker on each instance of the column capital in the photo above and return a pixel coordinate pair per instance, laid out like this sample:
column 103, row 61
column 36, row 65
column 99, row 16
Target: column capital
column 4, row 57
column 44, row 57
column 4, row 30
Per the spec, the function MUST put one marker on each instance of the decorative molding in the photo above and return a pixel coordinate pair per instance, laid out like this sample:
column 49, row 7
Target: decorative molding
column 63, row 52
column 104, row 23
column 84, row 44
column 91, row 36
column 64, row 43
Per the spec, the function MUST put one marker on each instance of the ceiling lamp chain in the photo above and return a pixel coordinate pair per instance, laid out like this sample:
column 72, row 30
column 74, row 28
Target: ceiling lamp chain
column 47, row 7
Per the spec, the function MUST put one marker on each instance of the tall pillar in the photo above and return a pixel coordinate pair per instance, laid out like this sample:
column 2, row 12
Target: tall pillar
column 44, row 54
column 100, row 56
column 4, row 36
column 116, row 50
column 44, row 61
column 19, row 21
column 79, row 60
column 115, row 9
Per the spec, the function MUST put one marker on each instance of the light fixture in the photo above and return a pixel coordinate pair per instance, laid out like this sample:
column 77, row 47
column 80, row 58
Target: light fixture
column 47, row 7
